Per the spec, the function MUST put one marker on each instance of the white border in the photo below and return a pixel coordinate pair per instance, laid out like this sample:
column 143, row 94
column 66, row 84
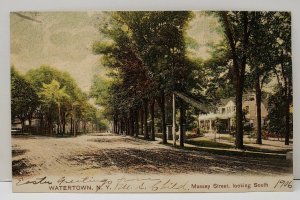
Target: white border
column 83, row 5
column 6, row 193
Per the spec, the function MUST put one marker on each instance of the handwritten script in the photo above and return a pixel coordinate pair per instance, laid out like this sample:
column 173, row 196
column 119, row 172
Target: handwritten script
column 105, row 185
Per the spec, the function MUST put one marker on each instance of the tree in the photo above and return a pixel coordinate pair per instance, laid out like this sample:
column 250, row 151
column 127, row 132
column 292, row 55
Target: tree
column 260, row 45
column 152, row 45
column 281, row 27
column 272, row 31
column 24, row 100
column 58, row 91
column 237, row 28
column 53, row 95
column 88, row 115
column 159, row 39
column 276, row 116
column 45, row 75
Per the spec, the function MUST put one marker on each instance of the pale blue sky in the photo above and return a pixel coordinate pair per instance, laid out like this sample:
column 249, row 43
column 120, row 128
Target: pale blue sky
column 63, row 40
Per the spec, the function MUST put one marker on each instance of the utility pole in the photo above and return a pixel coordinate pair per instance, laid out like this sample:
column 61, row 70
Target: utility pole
column 174, row 121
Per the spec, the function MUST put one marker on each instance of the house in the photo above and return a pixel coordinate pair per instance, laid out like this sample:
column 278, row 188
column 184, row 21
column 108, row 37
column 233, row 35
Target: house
column 225, row 113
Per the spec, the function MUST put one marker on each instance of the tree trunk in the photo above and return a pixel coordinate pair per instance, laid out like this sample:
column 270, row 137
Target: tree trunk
column 182, row 121
column 50, row 127
column 163, row 117
column 122, row 127
column 287, row 114
column 142, row 121
column 115, row 125
column 131, row 123
column 146, row 133
column 22, row 125
column 174, row 119
column 40, row 129
column 84, row 126
column 152, row 120
column 128, row 126
column 120, row 124
column 258, row 109
column 76, row 123
column 29, row 126
column 72, row 125
column 239, row 118
column 64, row 123
column 116, row 128
column 239, row 66
column 136, row 113
column 59, row 119
column 287, row 125
column 57, row 129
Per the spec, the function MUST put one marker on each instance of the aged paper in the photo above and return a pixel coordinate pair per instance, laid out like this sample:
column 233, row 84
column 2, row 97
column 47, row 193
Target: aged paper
column 151, row 101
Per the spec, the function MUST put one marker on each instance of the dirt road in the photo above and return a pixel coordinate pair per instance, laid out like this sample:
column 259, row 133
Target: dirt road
column 105, row 153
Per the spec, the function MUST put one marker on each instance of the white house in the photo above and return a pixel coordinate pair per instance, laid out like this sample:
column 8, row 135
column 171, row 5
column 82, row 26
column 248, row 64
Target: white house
column 226, row 113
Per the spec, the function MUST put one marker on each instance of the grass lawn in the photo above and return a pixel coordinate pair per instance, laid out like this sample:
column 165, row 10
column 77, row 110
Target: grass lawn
column 232, row 139
column 206, row 142
column 209, row 143
column 225, row 142
column 229, row 153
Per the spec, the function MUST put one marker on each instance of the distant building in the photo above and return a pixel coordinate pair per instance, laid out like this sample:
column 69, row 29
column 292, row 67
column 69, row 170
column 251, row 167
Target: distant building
column 225, row 112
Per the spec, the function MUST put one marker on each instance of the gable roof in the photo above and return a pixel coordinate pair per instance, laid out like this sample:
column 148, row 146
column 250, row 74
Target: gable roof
column 223, row 102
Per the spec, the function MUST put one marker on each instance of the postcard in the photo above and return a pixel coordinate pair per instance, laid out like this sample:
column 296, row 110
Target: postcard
column 151, row 101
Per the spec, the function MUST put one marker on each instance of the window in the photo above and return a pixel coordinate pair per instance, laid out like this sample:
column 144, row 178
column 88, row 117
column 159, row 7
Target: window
column 251, row 124
column 247, row 108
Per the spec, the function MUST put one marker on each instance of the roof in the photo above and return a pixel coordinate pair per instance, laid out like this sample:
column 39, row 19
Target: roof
column 223, row 102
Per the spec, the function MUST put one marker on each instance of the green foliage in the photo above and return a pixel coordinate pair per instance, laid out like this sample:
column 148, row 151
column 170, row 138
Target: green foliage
column 52, row 96
column 248, row 128
column 255, row 50
column 220, row 125
column 276, row 116
column 218, row 74
column 52, row 93
column 24, row 100
column 146, row 55
column 46, row 74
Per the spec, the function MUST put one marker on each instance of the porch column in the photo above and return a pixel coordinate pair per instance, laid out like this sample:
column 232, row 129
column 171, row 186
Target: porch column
column 174, row 121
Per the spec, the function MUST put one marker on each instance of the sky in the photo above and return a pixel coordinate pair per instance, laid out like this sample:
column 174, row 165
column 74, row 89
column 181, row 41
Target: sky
column 63, row 40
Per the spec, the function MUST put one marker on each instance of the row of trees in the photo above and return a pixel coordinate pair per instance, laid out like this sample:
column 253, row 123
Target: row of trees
column 259, row 48
column 146, row 54
column 52, row 98
column 147, row 60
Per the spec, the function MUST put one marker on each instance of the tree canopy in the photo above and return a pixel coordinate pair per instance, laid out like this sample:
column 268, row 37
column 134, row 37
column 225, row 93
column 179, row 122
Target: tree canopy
column 54, row 98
